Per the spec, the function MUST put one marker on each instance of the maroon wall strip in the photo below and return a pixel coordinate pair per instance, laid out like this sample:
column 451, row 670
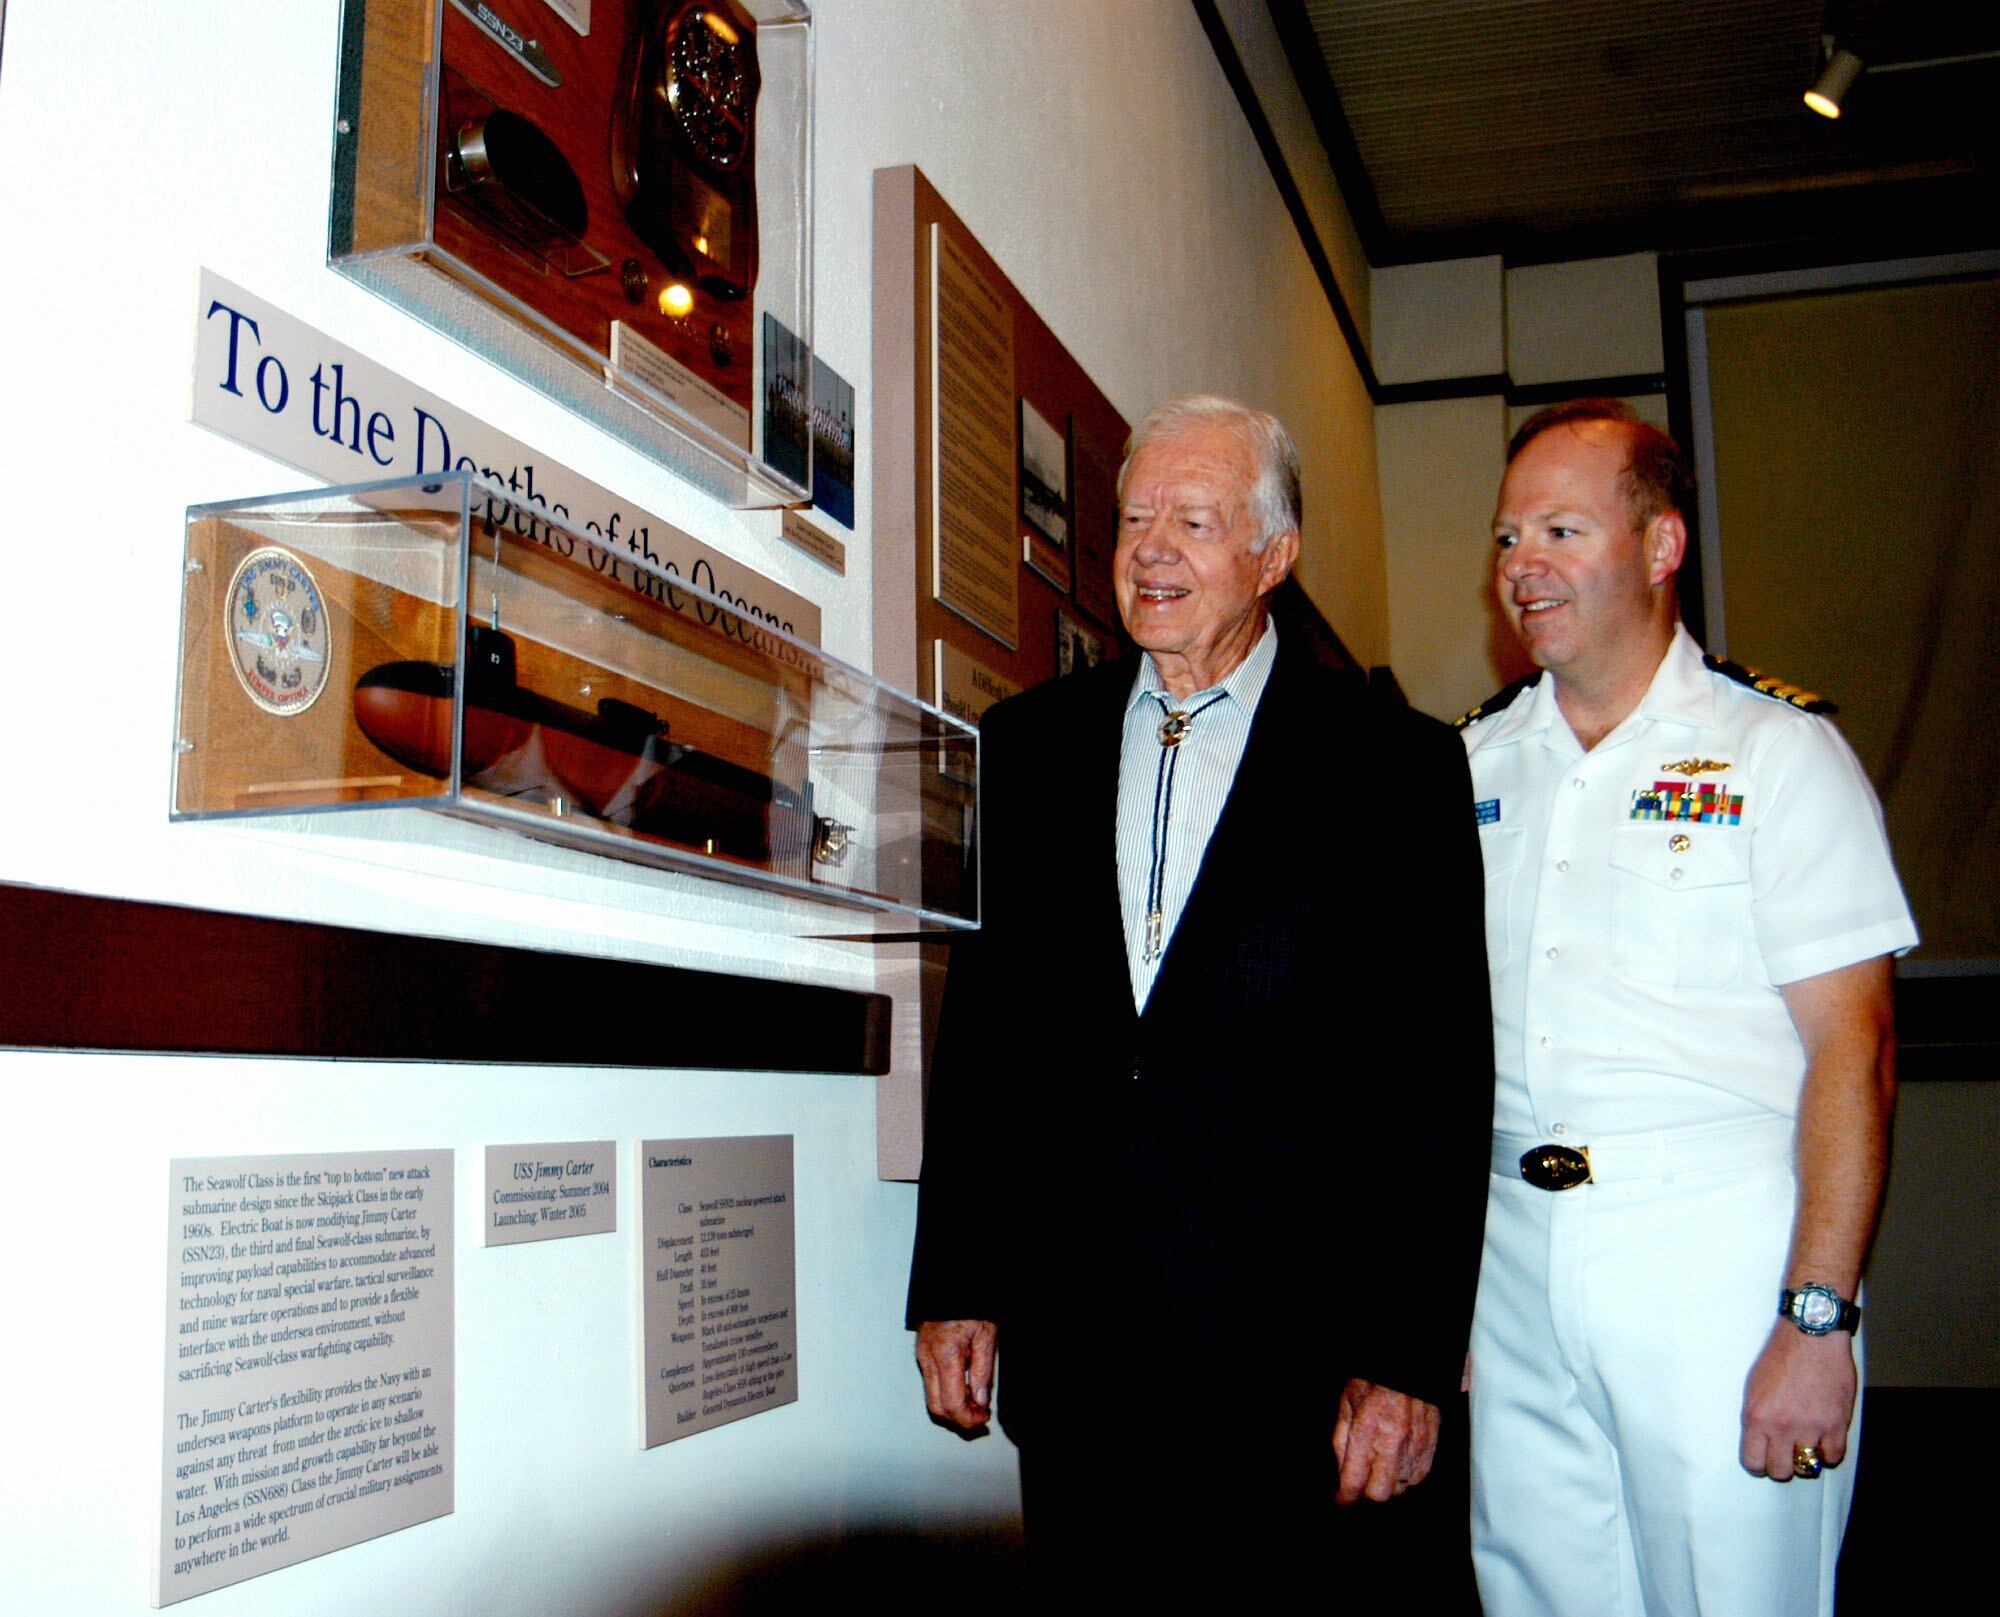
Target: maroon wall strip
column 82, row 972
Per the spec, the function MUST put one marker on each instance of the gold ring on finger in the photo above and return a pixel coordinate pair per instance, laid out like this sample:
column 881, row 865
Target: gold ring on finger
column 1806, row 1461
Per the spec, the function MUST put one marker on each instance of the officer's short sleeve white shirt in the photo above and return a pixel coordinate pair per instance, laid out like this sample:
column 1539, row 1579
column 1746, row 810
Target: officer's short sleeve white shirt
column 1647, row 900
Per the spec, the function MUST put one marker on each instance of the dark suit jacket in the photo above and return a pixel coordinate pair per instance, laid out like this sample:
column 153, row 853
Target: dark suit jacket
column 1275, row 1178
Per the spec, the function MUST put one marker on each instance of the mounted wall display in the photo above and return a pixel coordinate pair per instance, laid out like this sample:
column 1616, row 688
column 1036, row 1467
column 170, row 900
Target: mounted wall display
column 936, row 631
column 609, row 210
column 988, row 435
column 309, row 1362
column 439, row 641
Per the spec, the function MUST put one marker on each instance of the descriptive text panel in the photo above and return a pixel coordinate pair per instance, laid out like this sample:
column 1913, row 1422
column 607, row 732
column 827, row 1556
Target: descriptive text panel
column 308, row 1359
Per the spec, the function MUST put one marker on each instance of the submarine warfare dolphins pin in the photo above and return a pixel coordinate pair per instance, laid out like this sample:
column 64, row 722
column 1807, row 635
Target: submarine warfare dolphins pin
column 280, row 641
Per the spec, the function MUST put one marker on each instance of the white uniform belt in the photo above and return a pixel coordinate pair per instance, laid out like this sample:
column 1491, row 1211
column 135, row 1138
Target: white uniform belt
column 1664, row 1153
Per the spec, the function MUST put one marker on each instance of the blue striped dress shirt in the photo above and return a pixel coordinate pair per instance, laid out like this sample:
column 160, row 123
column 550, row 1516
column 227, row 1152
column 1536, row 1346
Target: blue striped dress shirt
column 1203, row 774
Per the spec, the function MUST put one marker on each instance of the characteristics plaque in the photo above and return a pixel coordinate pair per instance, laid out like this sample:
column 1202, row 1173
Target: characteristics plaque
column 716, row 1283
column 309, row 1359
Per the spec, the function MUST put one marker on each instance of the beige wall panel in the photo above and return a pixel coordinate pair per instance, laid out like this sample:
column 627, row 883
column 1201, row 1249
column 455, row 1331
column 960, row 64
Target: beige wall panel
column 1439, row 319
column 1591, row 317
column 1858, row 472
column 1441, row 464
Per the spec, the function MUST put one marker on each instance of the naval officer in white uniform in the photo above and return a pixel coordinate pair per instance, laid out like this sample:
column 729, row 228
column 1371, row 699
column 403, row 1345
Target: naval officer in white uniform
column 1690, row 913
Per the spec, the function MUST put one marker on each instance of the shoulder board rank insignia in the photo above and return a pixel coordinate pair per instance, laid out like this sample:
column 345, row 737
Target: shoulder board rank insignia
column 1497, row 701
column 1767, row 685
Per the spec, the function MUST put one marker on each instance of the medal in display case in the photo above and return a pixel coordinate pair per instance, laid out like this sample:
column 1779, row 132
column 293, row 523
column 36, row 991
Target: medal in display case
column 615, row 216
column 435, row 641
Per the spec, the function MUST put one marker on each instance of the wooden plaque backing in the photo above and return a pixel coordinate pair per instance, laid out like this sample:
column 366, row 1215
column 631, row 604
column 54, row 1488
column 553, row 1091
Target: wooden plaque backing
column 908, row 620
column 1047, row 375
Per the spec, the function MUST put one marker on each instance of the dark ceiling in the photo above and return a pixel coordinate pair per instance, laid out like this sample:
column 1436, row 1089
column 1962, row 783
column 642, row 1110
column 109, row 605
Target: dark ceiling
column 1547, row 129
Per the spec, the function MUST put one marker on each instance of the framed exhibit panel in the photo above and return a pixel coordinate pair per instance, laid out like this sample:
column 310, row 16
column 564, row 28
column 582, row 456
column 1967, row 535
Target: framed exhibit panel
column 619, row 213
column 995, row 516
column 436, row 641
column 996, row 466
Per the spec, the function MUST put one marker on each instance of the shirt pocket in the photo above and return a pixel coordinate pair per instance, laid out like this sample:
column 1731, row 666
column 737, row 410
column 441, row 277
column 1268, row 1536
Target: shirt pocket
column 1500, row 848
column 1680, row 915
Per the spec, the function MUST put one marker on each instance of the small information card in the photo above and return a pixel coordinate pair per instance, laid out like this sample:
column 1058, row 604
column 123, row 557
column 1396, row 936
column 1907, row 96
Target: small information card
column 716, row 1282
column 542, row 1192
column 309, row 1359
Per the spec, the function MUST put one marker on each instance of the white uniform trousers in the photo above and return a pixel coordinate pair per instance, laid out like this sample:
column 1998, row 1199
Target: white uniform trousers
column 1615, row 1326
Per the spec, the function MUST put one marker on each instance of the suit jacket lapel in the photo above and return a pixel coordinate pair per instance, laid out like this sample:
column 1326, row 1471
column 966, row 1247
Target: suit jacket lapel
column 1099, row 742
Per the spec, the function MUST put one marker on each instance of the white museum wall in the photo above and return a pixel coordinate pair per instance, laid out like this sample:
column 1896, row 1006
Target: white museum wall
column 1098, row 154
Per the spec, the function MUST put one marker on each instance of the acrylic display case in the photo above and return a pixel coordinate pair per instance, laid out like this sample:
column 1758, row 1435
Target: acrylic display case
column 432, row 641
column 621, row 217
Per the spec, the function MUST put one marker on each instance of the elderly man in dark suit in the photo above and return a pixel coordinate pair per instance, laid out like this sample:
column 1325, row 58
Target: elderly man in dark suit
column 1212, row 1078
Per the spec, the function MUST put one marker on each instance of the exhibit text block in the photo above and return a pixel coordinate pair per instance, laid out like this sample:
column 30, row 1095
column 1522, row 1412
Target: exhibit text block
column 309, row 1359
column 716, row 1282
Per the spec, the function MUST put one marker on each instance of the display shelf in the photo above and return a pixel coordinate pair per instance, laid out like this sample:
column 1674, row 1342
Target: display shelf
column 436, row 641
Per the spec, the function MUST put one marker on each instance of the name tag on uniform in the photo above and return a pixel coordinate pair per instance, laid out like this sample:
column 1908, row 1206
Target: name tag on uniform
column 1486, row 811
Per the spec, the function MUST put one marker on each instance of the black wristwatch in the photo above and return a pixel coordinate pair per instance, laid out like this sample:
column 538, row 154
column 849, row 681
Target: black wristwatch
column 1818, row 1310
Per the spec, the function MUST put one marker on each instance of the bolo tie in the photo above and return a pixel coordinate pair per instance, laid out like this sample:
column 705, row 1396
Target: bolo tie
column 1174, row 727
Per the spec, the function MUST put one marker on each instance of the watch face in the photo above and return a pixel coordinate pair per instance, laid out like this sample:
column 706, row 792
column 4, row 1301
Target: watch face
column 1818, row 1310
column 279, row 637
column 707, row 86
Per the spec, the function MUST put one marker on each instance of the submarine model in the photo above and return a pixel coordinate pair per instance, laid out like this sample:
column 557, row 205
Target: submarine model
column 617, row 764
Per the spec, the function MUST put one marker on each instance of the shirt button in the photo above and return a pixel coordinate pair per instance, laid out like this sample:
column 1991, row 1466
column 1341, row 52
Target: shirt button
column 1560, row 1129
column 1562, row 865
column 1674, row 875
column 1547, row 1041
column 1578, row 783
column 1551, row 953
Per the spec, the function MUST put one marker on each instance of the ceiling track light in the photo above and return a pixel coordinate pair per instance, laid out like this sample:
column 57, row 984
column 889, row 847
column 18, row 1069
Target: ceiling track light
column 1843, row 67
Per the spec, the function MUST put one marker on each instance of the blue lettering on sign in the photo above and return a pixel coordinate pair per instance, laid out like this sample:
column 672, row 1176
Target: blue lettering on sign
column 237, row 321
column 1486, row 811
column 266, row 365
column 426, row 424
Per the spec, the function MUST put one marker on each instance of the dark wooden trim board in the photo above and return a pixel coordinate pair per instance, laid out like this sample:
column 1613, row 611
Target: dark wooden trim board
column 91, row 973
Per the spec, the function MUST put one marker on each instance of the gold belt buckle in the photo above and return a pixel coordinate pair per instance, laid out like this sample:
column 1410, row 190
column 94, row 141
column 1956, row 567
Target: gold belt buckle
column 1555, row 1167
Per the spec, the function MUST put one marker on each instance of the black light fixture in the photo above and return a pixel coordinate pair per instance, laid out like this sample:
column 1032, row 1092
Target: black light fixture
column 1842, row 68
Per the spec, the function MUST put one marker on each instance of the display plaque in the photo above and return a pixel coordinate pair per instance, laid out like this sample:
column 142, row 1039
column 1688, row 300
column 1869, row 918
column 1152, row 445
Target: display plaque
column 719, row 1337
column 309, row 1359
column 974, row 554
column 815, row 541
column 966, row 686
column 544, row 1192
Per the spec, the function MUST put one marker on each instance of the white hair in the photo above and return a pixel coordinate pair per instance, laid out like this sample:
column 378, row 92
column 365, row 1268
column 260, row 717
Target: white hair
column 1274, row 496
